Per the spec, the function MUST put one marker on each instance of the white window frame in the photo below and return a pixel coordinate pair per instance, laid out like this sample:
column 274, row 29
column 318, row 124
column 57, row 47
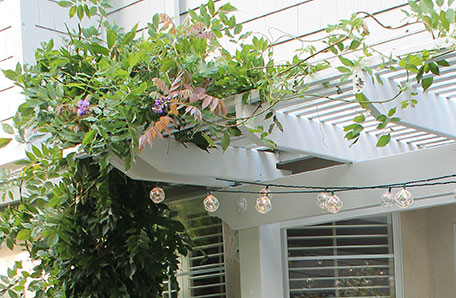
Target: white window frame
column 397, row 246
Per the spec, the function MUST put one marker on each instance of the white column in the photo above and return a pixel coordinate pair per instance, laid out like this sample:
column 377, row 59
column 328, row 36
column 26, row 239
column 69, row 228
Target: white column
column 261, row 262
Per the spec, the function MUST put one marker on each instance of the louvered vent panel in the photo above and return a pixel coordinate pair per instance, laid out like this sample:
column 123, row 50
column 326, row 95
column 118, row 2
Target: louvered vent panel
column 351, row 258
column 203, row 270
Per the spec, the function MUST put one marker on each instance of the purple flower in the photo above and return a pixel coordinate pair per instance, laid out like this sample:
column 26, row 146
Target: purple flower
column 83, row 107
column 160, row 104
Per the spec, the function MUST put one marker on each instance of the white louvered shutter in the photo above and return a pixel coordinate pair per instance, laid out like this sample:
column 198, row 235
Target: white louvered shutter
column 350, row 258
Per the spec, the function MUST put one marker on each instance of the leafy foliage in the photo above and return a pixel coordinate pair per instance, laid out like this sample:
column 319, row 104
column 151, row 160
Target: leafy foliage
column 95, row 231
column 113, row 92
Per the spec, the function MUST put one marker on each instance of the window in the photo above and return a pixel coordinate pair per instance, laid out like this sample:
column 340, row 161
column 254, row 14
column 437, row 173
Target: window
column 202, row 272
column 350, row 258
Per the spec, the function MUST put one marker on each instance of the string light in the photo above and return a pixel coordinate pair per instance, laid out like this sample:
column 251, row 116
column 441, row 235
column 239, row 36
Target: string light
column 403, row 198
column 263, row 203
column 388, row 199
column 334, row 203
column 265, row 192
column 157, row 194
column 326, row 198
column 322, row 198
column 211, row 203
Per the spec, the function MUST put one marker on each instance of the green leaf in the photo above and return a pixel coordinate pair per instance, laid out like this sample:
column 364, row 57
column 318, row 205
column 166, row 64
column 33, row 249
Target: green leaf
column 444, row 21
column 12, row 294
column 23, row 235
column 414, row 6
column 450, row 2
column 225, row 141
column 65, row 3
column 362, row 99
column 427, row 82
column 8, row 128
column 442, row 63
column 450, row 15
column 53, row 239
column 392, row 112
column 130, row 35
column 5, row 141
column 36, row 151
column 359, row 119
column 211, row 7
column 72, row 11
column 80, row 12
column 434, row 68
column 89, row 137
column 234, row 131
column 440, row 2
column 111, row 38
column 228, row 8
column 383, row 140
column 354, row 44
column 238, row 29
column 343, row 69
column 346, row 62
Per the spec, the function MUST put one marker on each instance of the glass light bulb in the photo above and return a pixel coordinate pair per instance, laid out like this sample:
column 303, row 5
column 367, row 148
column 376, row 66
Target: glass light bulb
column 263, row 205
column 334, row 204
column 265, row 192
column 322, row 198
column 404, row 198
column 157, row 195
column 241, row 205
column 387, row 199
column 211, row 203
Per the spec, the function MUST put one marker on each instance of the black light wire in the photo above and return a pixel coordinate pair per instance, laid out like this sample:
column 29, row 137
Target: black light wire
column 317, row 189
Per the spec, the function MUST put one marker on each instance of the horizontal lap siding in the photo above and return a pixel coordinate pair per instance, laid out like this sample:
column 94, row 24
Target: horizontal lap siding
column 282, row 20
column 10, row 54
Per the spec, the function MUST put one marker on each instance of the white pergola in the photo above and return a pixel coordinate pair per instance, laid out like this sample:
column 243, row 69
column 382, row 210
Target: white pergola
column 422, row 146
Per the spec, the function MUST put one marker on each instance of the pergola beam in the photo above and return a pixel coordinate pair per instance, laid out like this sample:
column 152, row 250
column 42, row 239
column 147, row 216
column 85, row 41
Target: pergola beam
column 299, row 208
column 433, row 113
column 311, row 137
column 170, row 157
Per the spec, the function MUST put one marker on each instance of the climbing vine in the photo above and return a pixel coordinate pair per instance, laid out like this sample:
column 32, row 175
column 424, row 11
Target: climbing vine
column 90, row 229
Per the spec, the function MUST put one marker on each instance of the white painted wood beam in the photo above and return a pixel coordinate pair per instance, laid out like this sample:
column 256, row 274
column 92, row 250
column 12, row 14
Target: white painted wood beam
column 295, row 209
column 312, row 137
column 171, row 157
column 141, row 170
column 433, row 113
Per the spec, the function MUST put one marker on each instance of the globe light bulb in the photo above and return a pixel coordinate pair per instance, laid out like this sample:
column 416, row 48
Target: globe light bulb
column 157, row 195
column 263, row 205
column 241, row 205
column 322, row 198
column 334, row 204
column 388, row 199
column 403, row 198
column 211, row 203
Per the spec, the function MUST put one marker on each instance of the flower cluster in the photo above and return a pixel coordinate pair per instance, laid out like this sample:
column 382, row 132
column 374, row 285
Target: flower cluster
column 199, row 30
column 160, row 104
column 83, row 107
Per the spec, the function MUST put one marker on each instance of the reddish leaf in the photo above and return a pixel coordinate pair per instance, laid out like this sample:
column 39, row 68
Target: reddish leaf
column 175, row 85
column 214, row 104
column 155, row 95
column 222, row 107
column 186, row 93
column 157, row 131
column 160, row 85
column 206, row 102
